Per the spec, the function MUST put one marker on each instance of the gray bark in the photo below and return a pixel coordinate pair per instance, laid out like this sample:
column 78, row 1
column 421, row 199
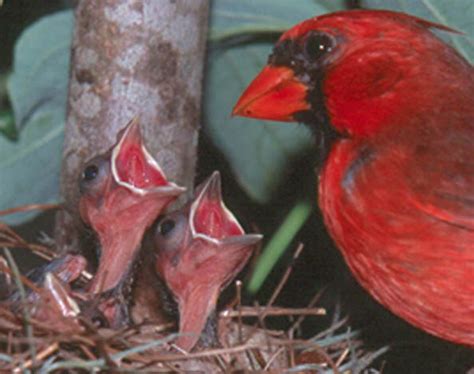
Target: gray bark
column 133, row 58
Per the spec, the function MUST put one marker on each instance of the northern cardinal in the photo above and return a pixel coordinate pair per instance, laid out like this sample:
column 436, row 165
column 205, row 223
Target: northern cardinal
column 122, row 193
column 397, row 187
column 199, row 250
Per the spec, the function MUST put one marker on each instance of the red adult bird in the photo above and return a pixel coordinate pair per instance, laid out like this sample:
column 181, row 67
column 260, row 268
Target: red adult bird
column 122, row 193
column 397, row 187
column 200, row 249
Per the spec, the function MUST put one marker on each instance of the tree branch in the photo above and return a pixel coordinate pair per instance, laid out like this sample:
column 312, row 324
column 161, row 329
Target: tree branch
column 133, row 58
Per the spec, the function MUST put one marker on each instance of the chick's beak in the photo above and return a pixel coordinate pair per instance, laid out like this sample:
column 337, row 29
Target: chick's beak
column 127, row 211
column 209, row 218
column 275, row 94
column 217, row 253
column 135, row 169
column 200, row 290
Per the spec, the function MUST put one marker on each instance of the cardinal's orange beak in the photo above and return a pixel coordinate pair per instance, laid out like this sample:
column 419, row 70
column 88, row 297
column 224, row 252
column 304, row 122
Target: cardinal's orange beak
column 275, row 94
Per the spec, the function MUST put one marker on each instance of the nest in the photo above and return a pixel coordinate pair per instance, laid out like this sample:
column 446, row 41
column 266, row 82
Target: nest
column 245, row 342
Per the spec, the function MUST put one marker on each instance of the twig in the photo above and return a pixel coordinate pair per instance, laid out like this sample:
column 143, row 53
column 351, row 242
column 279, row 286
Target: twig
column 342, row 357
column 285, row 277
column 279, row 287
column 261, row 321
column 298, row 322
column 238, row 286
column 208, row 353
column 364, row 361
column 24, row 280
column 87, row 352
column 81, row 364
column 273, row 358
column 327, row 358
column 14, row 240
column 29, row 207
column 40, row 356
column 257, row 355
column 10, row 232
column 272, row 312
column 21, row 290
column 334, row 326
column 311, row 304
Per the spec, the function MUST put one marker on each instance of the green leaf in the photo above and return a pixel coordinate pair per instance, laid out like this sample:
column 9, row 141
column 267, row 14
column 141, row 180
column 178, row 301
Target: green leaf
column 278, row 244
column 230, row 17
column 258, row 151
column 40, row 70
column 457, row 15
column 29, row 168
column 7, row 125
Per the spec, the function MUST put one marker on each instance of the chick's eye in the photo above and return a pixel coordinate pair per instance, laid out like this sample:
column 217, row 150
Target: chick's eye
column 170, row 233
column 94, row 175
column 90, row 173
column 318, row 44
column 166, row 227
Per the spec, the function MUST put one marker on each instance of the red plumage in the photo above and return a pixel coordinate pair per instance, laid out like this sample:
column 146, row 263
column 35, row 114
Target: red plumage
column 397, row 188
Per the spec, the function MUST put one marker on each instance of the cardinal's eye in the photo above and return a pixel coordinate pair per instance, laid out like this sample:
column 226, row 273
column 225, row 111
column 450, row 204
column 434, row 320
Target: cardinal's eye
column 166, row 227
column 318, row 44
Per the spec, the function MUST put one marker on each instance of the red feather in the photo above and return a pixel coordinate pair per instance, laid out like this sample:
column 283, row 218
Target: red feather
column 397, row 190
